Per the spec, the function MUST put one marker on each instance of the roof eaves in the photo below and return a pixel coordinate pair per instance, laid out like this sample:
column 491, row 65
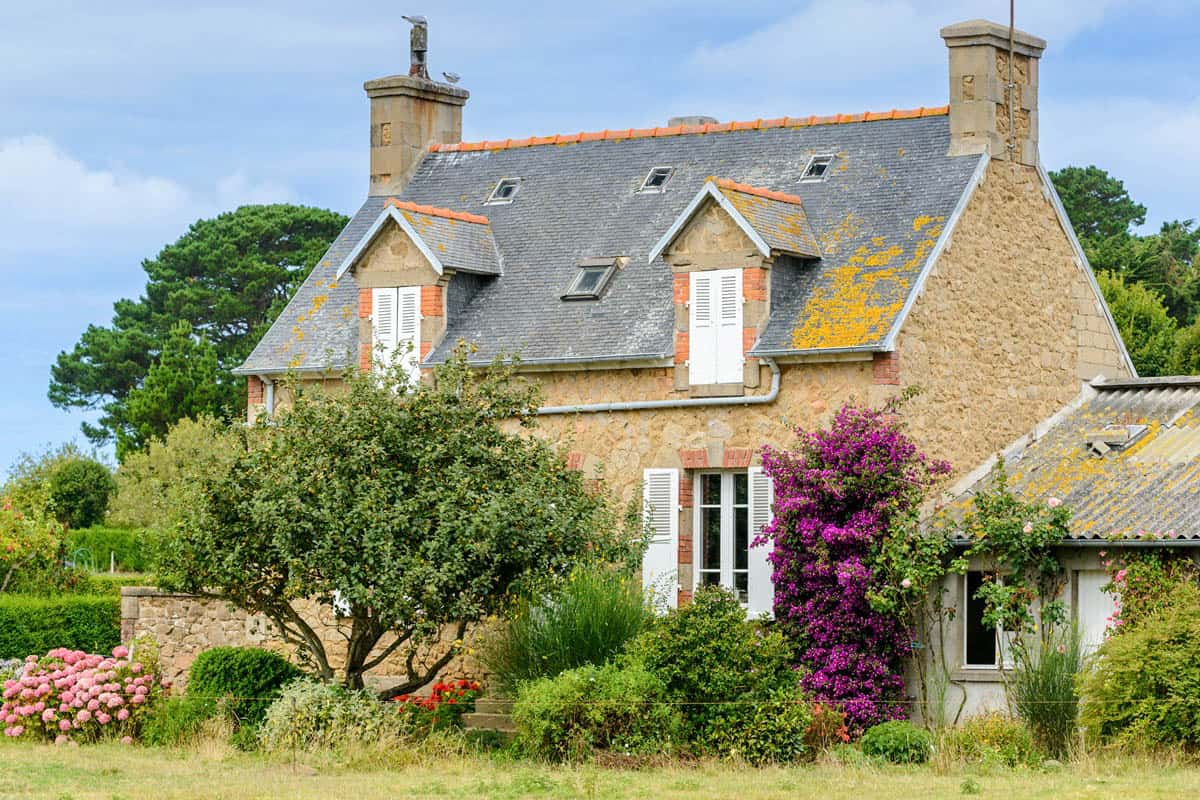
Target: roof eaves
column 708, row 190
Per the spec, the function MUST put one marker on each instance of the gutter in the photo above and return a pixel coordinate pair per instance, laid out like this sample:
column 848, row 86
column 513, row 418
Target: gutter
column 646, row 405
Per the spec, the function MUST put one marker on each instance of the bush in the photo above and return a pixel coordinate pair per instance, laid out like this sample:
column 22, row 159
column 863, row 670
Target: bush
column 444, row 708
column 705, row 653
column 178, row 721
column 246, row 679
column 587, row 620
column 1041, row 688
column 38, row 624
column 773, row 730
column 72, row 695
column 311, row 716
column 828, row 728
column 28, row 485
column 29, row 545
column 990, row 740
column 92, row 547
column 79, row 492
column 1141, row 690
column 569, row 717
column 897, row 741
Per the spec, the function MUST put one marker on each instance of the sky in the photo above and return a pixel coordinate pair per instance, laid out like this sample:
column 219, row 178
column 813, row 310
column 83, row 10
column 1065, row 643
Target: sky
column 123, row 122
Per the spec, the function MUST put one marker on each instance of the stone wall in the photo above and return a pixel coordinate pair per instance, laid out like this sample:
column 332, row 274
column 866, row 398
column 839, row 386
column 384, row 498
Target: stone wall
column 185, row 625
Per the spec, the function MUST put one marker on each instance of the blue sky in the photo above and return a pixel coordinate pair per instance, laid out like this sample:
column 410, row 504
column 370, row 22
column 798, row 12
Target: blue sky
column 122, row 122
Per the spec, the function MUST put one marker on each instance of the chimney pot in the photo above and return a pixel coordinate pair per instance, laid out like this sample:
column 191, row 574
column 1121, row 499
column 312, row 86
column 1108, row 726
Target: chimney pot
column 699, row 119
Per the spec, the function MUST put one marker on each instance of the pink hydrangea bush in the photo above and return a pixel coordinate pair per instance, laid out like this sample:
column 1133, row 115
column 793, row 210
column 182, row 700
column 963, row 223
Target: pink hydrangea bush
column 72, row 696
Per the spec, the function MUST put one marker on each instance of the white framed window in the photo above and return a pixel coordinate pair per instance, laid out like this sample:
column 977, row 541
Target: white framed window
column 817, row 169
column 504, row 192
column 656, row 180
column 715, row 327
column 396, row 328
column 731, row 510
column 984, row 647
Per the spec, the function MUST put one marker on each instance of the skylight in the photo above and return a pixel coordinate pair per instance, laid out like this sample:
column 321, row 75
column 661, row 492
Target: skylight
column 505, row 191
column 590, row 280
column 656, row 180
column 817, row 169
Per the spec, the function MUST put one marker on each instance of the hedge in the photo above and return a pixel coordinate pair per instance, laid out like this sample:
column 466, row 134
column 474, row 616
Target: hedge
column 36, row 625
column 130, row 546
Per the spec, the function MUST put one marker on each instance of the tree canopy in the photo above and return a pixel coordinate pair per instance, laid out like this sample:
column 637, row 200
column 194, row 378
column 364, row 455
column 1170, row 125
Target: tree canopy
column 227, row 278
column 1145, row 325
column 1097, row 203
column 407, row 508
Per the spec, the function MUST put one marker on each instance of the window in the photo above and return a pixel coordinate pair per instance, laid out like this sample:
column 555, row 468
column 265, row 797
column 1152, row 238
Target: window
column 656, row 180
column 983, row 646
column 504, row 192
column 715, row 327
column 396, row 327
column 723, row 554
column 817, row 169
column 590, row 280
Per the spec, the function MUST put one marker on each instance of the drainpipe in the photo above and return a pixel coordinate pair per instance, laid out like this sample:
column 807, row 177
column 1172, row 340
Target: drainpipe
column 269, row 396
column 644, row 405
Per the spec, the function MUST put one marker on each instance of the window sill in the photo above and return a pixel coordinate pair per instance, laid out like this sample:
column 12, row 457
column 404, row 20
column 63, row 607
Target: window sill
column 716, row 390
column 979, row 675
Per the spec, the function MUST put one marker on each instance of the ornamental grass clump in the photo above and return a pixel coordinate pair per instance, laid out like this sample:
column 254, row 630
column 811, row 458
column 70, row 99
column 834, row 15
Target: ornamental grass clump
column 850, row 565
column 1041, row 689
column 69, row 695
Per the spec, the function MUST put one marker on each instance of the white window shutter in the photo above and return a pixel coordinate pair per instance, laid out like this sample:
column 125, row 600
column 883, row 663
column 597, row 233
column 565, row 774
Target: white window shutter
column 383, row 325
column 729, row 327
column 761, row 590
column 702, row 329
column 660, row 564
column 408, row 328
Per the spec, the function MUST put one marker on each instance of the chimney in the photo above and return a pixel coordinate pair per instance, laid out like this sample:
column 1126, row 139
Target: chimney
column 409, row 113
column 979, row 90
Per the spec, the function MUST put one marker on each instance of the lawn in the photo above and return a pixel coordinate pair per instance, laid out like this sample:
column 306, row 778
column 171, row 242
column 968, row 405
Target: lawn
column 112, row 772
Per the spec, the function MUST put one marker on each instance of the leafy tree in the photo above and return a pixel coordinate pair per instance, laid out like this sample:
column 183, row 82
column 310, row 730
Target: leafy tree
column 1165, row 262
column 27, row 542
column 79, row 492
column 1145, row 325
column 28, row 484
column 408, row 508
column 1096, row 203
column 1186, row 358
column 186, row 381
column 227, row 277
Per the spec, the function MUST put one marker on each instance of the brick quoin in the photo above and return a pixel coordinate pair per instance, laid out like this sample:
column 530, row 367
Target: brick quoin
column 886, row 369
column 685, row 550
column 364, row 357
column 425, row 348
column 749, row 337
column 694, row 459
column 754, row 284
column 686, row 499
column 737, row 457
column 364, row 303
column 432, row 304
column 683, row 345
column 681, row 289
column 575, row 460
column 254, row 390
column 685, row 598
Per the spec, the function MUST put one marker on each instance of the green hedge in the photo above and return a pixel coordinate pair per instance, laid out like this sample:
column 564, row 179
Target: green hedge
column 91, row 548
column 35, row 625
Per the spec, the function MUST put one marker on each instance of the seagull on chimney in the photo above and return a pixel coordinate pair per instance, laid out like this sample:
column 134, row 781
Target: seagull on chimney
column 415, row 19
column 452, row 77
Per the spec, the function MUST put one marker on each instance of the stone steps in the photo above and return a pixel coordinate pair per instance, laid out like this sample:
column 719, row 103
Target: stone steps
column 491, row 715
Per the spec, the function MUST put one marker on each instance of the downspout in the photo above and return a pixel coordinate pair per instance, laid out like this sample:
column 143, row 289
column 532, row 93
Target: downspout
column 269, row 396
column 644, row 405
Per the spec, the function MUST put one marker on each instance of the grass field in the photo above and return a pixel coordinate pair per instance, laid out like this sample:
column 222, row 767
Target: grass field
column 112, row 772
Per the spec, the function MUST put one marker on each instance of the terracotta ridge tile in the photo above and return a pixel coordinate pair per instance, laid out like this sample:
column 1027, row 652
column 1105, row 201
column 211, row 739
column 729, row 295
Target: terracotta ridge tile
column 746, row 188
column 416, row 208
column 692, row 130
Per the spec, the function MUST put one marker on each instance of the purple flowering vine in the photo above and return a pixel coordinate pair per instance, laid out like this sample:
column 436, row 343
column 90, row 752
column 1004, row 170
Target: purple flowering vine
column 838, row 495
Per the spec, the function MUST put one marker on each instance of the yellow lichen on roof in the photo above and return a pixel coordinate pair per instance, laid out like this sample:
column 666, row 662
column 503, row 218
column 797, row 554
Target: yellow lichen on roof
column 851, row 310
column 844, row 231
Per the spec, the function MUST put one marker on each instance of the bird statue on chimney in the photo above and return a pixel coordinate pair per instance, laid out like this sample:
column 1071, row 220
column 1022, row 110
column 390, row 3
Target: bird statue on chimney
column 418, row 46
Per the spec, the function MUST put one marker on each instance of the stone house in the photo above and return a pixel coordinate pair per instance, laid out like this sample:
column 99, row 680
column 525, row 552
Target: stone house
column 686, row 294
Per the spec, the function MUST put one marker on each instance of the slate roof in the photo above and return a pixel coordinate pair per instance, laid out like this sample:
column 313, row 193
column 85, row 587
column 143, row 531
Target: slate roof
column 1126, row 461
column 876, row 218
column 459, row 241
column 777, row 217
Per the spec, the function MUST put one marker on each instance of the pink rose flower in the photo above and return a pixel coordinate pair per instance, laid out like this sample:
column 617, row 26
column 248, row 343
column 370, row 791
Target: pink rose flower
column 1054, row 502
column 1028, row 527
column 906, row 583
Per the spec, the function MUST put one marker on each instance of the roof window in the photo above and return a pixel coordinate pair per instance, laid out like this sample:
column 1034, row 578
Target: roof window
column 505, row 191
column 593, row 275
column 817, row 169
column 656, row 180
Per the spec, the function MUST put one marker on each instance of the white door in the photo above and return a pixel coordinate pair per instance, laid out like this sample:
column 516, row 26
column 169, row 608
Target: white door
column 1095, row 609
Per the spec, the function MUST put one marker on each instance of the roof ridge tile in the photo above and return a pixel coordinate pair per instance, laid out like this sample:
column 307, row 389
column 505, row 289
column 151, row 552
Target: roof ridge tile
column 432, row 211
column 770, row 194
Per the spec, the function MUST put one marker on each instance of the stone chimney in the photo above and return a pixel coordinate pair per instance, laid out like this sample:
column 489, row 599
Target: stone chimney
column 979, row 90
column 409, row 113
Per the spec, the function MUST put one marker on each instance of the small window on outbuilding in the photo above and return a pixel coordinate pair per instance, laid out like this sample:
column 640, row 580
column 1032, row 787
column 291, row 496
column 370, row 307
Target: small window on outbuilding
column 817, row 169
column 656, row 180
column 504, row 192
column 591, row 278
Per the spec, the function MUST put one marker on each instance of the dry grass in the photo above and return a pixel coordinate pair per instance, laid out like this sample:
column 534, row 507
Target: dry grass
column 214, row 772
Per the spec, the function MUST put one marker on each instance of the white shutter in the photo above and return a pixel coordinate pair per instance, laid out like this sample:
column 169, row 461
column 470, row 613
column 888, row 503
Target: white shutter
column 729, row 327
column 761, row 589
column 408, row 328
column 383, row 325
column 702, row 329
column 660, row 564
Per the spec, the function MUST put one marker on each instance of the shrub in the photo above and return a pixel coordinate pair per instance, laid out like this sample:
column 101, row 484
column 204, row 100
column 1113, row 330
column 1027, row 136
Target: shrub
column 587, row 620
column 28, row 545
column 309, row 715
column 443, row 708
column 72, row 695
column 79, row 492
column 990, row 740
column 37, row 624
column 772, row 730
column 828, row 728
column 246, row 679
column 1141, row 690
column 897, row 741
column 92, row 547
column 1041, row 688
column 706, row 652
column 28, row 485
column 569, row 717
column 177, row 720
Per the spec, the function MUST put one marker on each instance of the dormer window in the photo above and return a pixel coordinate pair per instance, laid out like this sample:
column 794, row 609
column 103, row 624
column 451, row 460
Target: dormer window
column 656, row 180
column 504, row 192
column 817, row 169
column 593, row 275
